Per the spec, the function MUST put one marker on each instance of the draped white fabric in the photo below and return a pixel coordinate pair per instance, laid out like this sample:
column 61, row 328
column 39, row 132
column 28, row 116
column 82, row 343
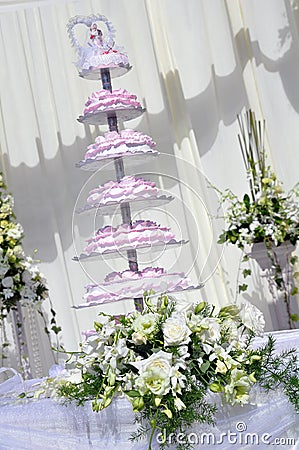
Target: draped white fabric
column 196, row 65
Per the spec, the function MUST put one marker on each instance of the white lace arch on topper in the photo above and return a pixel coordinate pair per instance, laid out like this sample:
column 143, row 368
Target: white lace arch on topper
column 109, row 40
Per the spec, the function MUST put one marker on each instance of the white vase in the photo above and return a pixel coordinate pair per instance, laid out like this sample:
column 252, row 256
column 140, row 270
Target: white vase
column 281, row 253
column 268, row 259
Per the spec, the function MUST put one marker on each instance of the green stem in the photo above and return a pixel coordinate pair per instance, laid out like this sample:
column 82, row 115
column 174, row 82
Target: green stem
column 154, row 421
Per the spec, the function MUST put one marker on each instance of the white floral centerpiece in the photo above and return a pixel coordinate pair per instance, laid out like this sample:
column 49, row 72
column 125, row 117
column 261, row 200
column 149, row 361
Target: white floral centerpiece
column 167, row 358
column 21, row 282
column 266, row 216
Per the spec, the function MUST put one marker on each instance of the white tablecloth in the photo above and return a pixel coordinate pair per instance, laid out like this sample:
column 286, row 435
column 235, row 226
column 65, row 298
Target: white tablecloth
column 44, row 424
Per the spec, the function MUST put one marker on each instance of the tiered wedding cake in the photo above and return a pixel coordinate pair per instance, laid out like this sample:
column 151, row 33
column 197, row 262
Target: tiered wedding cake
column 98, row 60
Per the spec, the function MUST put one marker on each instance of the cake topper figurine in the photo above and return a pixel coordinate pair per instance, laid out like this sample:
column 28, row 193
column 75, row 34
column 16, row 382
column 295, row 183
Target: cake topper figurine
column 99, row 51
column 96, row 36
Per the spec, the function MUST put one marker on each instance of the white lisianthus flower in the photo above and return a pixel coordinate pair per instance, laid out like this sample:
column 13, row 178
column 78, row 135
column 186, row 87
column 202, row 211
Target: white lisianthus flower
column 223, row 355
column 220, row 367
column 145, row 324
column 3, row 269
column 176, row 331
column 27, row 277
column 252, row 318
column 18, row 251
column 154, row 374
column 138, row 338
column 231, row 331
column 237, row 391
column 7, row 282
column 208, row 330
column 15, row 232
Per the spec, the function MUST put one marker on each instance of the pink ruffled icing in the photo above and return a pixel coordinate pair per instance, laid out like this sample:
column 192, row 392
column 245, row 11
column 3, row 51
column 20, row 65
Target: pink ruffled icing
column 128, row 188
column 140, row 233
column 104, row 99
column 148, row 272
column 128, row 284
column 114, row 144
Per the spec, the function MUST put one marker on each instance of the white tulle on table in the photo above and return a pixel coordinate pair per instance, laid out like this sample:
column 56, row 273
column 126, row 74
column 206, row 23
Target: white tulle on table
column 45, row 424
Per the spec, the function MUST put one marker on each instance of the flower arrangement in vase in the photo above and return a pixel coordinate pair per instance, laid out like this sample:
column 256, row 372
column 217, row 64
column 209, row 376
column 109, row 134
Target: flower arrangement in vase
column 266, row 218
column 21, row 282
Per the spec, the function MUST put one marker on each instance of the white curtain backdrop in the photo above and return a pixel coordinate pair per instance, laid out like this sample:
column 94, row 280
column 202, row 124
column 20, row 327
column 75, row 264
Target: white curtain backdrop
column 196, row 65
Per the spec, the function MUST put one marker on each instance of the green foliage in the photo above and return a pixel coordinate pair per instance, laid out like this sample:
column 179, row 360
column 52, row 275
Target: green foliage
column 275, row 371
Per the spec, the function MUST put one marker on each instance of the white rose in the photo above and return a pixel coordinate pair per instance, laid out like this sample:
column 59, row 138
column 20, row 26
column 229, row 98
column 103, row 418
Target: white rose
column 252, row 318
column 176, row 331
column 7, row 282
column 145, row 324
column 154, row 373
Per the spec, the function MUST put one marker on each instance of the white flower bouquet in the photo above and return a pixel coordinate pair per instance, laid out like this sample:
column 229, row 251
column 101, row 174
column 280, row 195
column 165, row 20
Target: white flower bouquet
column 20, row 278
column 267, row 215
column 167, row 358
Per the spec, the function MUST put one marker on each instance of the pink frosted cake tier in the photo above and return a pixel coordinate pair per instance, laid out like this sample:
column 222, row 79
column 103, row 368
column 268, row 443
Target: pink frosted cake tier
column 141, row 234
column 114, row 144
column 124, row 285
column 105, row 100
column 127, row 189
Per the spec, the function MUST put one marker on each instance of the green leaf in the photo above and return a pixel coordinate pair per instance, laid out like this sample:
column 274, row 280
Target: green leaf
column 222, row 238
column 167, row 412
column 246, row 273
column 56, row 329
column 294, row 317
column 294, row 291
column 246, row 201
column 243, row 287
column 204, row 367
column 133, row 393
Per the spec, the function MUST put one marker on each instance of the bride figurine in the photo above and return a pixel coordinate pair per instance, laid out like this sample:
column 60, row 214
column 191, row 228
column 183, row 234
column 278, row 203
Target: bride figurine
column 96, row 36
column 98, row 50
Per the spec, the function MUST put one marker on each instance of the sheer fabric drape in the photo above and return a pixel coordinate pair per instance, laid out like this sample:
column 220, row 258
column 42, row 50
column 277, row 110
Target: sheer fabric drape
column 196, row 65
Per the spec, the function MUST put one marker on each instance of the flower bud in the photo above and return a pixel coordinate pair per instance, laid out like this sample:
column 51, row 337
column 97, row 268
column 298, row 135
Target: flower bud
column 199, row 307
